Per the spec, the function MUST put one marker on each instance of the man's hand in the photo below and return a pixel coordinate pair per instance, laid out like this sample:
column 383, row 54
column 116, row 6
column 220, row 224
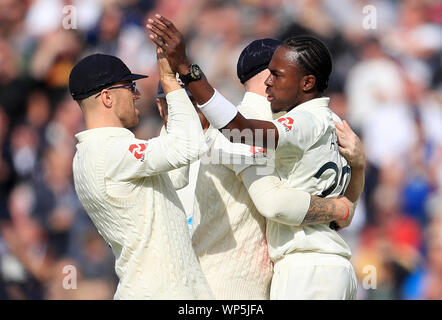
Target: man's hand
column 167, row 76
column 166, row 36
column 350, row 146
column 163, row 65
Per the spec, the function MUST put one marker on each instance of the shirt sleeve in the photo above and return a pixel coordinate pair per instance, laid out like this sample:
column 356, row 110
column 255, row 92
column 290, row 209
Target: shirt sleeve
column 130, row 158
column 274, row 199
column 239, row 156
column 298, row 129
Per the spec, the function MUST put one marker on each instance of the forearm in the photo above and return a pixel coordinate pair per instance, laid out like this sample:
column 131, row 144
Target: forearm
column 278, row 202
column 223, row 115
column 169, row 83
column 324, row 210
column 201, row 90
column 356, row 184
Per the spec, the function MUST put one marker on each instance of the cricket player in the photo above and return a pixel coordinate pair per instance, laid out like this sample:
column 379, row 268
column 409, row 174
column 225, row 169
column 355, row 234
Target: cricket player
column 229, row 232
column 311, row 261
column 122, row 181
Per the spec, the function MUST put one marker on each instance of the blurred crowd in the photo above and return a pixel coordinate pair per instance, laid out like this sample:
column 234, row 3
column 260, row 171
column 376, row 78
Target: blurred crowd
column 386, row 82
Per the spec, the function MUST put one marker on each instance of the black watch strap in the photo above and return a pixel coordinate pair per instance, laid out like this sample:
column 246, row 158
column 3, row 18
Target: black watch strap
column 194, row 74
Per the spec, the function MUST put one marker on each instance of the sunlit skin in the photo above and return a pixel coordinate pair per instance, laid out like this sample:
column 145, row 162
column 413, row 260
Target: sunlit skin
column 123, row 103
column 111, row 108
column 287, row 84
column 125, row 107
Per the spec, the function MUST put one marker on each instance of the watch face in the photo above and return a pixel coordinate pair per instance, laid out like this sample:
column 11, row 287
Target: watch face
column 195, row 72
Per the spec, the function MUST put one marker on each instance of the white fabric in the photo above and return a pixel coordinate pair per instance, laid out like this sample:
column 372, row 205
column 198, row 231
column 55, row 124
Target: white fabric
column 307, row 142
column 313, row 276
column 262, row 188
column 121, row 183
column 218, row 110
column 228, row 231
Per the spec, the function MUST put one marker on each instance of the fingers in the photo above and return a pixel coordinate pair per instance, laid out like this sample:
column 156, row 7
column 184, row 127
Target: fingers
column 157, row 41
column 158, row 27
column 160, row 34
column 167, row 23
column 343, row 140
column 346, row 125
column 343, row 151
column 339, row 126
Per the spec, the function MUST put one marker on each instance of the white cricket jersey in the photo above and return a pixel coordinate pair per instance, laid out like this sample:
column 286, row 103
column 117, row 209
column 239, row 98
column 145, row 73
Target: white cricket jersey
column 308, row 158
column 229, row 233
column 123, row 185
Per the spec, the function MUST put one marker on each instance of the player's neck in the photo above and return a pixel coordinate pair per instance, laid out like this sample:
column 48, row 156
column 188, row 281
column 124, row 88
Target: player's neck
column 305, row 98
column 101, row 121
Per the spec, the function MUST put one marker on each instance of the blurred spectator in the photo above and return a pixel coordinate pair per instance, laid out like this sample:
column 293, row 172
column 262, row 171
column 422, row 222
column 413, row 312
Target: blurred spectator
column 392, row 243
column 13, row 88
column 386, row 81
column 426, row 282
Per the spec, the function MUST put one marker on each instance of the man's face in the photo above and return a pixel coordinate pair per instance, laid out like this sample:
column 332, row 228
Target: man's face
column 284, row 82
column 125, row 105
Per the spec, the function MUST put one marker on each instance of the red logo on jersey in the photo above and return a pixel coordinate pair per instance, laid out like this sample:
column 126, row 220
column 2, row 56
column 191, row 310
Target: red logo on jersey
column 256, row 150
column 137, row 150
column 287, row 122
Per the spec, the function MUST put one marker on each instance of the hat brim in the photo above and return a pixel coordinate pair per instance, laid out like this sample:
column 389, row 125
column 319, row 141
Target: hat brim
column 130, row 77
column 133, row 77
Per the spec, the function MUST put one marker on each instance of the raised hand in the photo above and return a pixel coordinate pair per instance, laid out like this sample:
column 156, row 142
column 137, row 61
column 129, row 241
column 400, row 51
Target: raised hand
column 171, row 41
column 167, row 76
column 350, row 146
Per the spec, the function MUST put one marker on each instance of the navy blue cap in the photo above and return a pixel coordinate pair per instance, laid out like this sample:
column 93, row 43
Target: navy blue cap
column 97, row 72
column 162, row 95
column 255, row 58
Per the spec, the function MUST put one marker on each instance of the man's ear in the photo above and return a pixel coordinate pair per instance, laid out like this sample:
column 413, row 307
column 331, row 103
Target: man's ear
column 308, row 82
column 106, row 98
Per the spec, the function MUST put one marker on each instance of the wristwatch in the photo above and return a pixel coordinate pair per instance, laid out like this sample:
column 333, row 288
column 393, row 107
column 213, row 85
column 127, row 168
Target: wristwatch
column 194, row 74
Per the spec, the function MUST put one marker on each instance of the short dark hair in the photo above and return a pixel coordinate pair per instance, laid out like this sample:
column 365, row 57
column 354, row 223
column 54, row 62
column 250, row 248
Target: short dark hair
column 313, row 57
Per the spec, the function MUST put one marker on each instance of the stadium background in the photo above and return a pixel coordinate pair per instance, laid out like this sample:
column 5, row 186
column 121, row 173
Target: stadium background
column 386, row 81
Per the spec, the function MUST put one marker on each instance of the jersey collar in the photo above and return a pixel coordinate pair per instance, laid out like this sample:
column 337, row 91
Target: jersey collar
column 105, row 131
column 313, row 103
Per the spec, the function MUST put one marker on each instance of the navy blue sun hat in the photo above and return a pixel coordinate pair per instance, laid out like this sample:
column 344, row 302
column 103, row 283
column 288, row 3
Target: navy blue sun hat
column 255, row 58
column 97, row 72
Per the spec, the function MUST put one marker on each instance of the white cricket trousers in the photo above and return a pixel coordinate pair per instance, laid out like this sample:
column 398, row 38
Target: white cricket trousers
column 313, row 276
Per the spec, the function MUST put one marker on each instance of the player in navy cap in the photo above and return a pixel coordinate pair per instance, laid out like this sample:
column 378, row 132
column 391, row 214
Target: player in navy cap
column 122, row 181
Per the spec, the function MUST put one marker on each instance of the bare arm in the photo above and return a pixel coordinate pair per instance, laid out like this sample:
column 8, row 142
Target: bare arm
column 324, row 210
column 166, row 36
column 281, row 203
